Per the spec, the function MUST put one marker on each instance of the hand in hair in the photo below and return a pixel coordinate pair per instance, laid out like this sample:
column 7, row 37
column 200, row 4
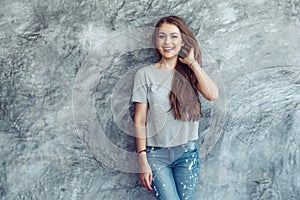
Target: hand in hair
column 190, row 58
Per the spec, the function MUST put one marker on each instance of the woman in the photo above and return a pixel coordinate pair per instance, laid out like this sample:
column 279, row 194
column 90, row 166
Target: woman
column 167, row 111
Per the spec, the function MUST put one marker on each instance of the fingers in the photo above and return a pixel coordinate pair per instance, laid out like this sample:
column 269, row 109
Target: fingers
column 149, row 182
column 186, row 47
column 181, row 60
column 186, row 60
column 188, row 51
column 146, row 180
column 185, row 50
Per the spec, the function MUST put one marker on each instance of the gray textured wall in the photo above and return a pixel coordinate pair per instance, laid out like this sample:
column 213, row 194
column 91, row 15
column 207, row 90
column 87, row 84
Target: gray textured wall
column 66, row 70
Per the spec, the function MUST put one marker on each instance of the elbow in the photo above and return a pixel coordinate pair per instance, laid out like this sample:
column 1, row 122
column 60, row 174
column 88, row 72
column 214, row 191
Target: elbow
column 140, row 115
column 213, row 96
column 140, row 121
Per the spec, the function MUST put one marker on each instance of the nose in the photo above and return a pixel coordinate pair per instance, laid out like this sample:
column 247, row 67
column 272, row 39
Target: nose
column 167, row 40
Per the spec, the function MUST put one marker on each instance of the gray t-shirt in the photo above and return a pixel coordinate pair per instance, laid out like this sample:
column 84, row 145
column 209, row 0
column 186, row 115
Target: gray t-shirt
column 152, row 86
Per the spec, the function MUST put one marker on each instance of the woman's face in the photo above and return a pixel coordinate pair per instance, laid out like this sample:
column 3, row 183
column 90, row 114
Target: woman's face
column 169, row 40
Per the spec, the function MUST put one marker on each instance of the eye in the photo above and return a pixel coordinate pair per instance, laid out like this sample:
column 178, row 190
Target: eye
column 174, row 36
column 161, row 36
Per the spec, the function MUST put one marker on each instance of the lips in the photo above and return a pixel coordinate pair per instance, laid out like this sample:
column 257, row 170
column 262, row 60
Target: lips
column 167, row 48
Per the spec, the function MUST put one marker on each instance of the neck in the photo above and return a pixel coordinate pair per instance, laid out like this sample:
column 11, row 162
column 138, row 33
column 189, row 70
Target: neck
column 168, row 63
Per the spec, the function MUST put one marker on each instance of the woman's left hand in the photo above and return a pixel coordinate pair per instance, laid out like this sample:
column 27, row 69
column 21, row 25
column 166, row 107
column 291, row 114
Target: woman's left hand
column 190, row 58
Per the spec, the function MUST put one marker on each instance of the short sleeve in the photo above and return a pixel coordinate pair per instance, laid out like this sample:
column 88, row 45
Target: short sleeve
column 139, row 92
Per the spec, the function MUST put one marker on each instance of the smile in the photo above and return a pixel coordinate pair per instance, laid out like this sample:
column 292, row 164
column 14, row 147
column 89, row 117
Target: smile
column 168, row 48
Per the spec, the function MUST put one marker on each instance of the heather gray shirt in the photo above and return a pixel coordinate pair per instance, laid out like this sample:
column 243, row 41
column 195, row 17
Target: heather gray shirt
column 152, row 86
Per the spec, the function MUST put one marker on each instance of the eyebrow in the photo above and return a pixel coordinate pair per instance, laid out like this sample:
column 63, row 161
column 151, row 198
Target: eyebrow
column 170, row 34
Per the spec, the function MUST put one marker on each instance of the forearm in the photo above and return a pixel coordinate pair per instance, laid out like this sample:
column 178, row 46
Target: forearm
column 140, row 120
column 140, row 136
column 206, row 86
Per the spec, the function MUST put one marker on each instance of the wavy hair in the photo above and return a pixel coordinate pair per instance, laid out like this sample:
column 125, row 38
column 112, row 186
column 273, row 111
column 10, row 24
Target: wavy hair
column 183, row 97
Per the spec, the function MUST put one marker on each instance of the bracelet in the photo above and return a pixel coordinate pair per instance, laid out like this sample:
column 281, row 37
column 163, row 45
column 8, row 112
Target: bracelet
column 144, row 150
column 191, row 63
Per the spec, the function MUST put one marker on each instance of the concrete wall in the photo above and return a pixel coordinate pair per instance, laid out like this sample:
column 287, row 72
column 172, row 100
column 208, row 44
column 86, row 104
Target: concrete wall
column 66, row 71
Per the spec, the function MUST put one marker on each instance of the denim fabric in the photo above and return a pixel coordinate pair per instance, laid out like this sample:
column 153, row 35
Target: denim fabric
column 175, row 171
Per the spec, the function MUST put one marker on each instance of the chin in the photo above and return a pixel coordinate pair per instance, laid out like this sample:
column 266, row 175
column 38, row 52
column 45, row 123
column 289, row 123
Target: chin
column 168, row 55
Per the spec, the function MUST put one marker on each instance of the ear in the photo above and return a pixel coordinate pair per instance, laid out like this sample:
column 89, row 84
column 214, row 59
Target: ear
column 182, row 44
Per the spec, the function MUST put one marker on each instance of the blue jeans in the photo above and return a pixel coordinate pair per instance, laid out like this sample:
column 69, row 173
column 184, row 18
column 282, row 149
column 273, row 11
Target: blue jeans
column 175, row 171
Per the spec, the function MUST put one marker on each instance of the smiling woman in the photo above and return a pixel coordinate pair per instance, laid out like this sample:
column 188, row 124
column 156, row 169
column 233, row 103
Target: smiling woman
column 169, row 41
column 167, row 92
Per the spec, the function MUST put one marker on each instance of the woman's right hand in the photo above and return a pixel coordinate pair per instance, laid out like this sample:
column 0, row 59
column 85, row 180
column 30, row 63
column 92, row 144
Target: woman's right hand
column 145, row 171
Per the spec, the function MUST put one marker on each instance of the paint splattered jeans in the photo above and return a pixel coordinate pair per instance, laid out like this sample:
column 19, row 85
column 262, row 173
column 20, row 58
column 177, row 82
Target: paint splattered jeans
column 175, row 171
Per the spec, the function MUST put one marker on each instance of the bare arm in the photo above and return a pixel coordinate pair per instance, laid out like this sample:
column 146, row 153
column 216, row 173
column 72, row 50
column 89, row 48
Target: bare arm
column 140, row 120
column 206, row 86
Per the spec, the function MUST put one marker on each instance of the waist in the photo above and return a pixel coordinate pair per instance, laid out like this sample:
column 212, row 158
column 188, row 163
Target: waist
column 189, row 145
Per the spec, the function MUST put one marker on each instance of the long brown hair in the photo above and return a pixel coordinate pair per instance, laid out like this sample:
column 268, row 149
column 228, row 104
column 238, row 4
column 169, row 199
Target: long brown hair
column 183, row 97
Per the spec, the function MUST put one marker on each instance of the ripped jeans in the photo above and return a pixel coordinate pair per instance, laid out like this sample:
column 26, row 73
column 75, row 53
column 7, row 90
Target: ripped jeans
column 175, row 171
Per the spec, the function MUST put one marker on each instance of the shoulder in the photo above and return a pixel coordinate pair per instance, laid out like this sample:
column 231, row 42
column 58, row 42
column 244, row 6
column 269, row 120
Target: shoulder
column 144, row 71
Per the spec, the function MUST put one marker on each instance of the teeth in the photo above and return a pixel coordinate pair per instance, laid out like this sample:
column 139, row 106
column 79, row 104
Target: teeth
column 169, row 48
